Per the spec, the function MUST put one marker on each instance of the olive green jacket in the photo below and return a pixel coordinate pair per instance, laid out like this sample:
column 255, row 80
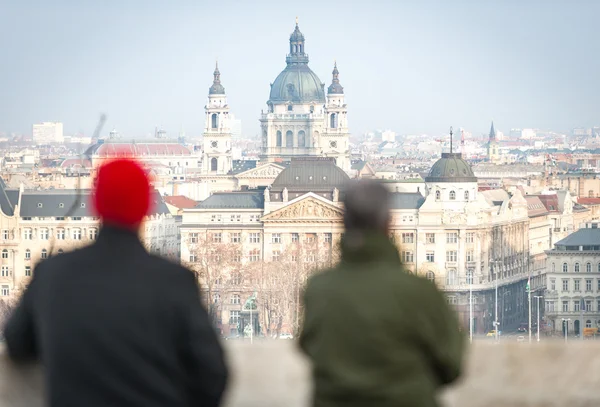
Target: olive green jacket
column 376, row 335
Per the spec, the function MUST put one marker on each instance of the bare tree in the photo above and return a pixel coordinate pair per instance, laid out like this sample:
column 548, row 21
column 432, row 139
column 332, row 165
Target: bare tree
column 6, row 309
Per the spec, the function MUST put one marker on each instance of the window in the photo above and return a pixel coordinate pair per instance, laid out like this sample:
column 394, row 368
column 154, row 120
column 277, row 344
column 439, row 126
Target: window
column 254, row 255
column 215, row 218
column 565, row 267
column 28, row 256
column 407, row 257
column 549, row 306
column 430, row 257
column 44, row 254
column 5, row 254
column 60, row 218
column 598, row 287
column 295, row 237
column 470, row 237
column 276, row 255
column 236, row 237
column 565, row 306
column 279, row 139
column 237, row 257
column 588, row 268
column 4, row 272
column 452, row 195
column 469, row 276
column 254, row 237
column 451, row 255
column 5, row 291
column 302, row 139
column 276, row 238
column 466, row 195
column 290, row 108
column 236, row 279
column 438, row 195
column 565, row 284
column 588, row 284
column 451, row 277
column 553, row 267
column 452, row 300
column 577, row 284
column 254, row 218
column 430, row 238
column 214, row 121
column 93, row 233
column 310, row 238
column 577, row 267
column 588, row 306
column 235, row 299
column 234, row 317
column 26, row 217
column 451, row 237
column 327, row 237
column 310, row 257
column 577, row 305
column 77, row 234
column 27, row 271
column 552, row 284
column 5, row 234
column 236, row 218
column 216, row 298
column 588, row 324
column 217, row 237
column 60, row 234
column 76, row 218
column 289, row 139
column 408, row 237
column 193, row 237
column 470, row 255
column 28, row 234
column 431, row 276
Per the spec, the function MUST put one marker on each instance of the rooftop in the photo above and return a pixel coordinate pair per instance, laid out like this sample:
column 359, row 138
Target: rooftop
column 234, row 200
column 587, row 237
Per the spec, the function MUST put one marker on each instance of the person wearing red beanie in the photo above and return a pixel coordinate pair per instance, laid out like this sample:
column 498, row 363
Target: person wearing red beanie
column 114, row 325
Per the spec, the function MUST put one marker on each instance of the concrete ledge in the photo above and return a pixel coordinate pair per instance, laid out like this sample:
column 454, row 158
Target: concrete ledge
column 274, row 374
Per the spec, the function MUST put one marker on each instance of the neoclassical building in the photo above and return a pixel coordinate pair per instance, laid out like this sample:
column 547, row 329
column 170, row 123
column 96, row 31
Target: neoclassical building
column 301, row 119
column 35, row 224
column 450, row 233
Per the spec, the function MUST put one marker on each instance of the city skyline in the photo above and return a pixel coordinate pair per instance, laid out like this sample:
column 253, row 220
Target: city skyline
column 418, row 69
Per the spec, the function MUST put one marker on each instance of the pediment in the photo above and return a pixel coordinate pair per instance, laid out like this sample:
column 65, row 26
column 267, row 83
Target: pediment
column 306, row 209
column 269, row 170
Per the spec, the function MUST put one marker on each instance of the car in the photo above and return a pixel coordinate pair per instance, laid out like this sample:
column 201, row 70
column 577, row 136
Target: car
column 493, row 333
column 286, row 336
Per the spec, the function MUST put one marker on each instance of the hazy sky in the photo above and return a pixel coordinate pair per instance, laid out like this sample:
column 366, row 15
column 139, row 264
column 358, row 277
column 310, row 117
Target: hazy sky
column 412, row 66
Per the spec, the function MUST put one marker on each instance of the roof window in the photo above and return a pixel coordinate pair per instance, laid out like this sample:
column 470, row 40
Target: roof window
column 61, row 205
column 39, row 204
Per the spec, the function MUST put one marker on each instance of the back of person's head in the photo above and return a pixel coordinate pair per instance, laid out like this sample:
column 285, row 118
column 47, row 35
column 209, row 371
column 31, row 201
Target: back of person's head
column 367, row 207
column 122, row 194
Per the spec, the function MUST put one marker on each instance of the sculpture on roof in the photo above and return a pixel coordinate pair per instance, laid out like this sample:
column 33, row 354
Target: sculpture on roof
column 284, row 194
column 336, row 194
column 267, row 195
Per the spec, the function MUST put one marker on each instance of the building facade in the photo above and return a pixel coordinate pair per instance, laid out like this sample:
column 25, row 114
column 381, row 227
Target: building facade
column 48, row 133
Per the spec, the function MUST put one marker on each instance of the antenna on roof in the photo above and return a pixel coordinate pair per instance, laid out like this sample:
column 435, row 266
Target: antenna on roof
column 451, row 131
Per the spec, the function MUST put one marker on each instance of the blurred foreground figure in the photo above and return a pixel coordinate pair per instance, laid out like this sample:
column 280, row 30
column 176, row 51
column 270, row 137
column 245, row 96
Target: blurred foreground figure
column 377, row 335
column 114, row 325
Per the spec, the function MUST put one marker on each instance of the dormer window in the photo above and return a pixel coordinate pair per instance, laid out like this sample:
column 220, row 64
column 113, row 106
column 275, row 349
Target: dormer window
column 61, row 205
column 438, row 195
column 39, row 205
column 83, row 205
column 290, row 107
column 452, row 195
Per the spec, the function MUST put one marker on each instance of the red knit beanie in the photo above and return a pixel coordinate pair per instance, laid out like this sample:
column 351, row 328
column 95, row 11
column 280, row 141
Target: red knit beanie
column 122, row 193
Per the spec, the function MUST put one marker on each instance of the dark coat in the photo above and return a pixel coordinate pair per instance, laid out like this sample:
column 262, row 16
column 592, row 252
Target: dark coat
column 377, row 335
column 116, row 326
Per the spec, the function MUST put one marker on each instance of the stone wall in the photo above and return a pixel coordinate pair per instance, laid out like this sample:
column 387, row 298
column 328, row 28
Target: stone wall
column 274, row 374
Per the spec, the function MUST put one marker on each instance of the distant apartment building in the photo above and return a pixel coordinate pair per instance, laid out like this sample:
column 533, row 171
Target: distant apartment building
column 48, row 133
column 388, row 135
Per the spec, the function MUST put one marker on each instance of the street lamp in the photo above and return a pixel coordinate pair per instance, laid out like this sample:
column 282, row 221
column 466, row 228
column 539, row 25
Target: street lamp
column 537, row 297
column 495, row 268
column 566, row 327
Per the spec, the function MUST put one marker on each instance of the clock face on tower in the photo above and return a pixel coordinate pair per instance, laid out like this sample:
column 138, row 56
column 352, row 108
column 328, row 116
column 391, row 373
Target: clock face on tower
column 333, row 144
column 214, row 144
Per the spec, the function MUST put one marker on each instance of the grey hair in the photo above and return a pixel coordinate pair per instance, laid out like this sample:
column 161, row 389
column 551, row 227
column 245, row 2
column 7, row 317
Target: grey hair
column 367, row 207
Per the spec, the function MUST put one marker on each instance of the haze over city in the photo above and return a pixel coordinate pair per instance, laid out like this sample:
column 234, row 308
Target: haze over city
column 414, row 67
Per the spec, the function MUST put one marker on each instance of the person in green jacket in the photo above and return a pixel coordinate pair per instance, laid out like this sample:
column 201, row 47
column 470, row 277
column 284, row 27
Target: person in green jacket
column 376, row 334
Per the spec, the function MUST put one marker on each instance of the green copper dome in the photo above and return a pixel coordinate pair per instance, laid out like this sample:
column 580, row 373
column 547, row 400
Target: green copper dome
column 297, row 83
column 451, row 168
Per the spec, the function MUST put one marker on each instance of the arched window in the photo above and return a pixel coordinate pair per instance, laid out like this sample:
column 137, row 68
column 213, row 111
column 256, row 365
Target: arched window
column 213, row 164
column 553, row 267
column 214, row 121
column 333, row 121
column 591, row 193
column 588, row 323
column 289, row 139
column 451, row 277
column 577, row 267
column 301, row 48
column 301, row 139
column 466, row 195
column 5, row 254
column 565, row 267
column 438, row 196
column 588, row 268
column 431, row 276
column 279, row 138
column 290, row 108
column 452, row 195
column 469, row 276
column 44, row 254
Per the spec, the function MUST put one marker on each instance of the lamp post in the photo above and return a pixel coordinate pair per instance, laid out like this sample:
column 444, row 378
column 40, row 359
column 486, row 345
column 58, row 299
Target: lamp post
column 528, row 288
column 471, row 306
column 566, row 327
column 496, row 301
column 537, row 297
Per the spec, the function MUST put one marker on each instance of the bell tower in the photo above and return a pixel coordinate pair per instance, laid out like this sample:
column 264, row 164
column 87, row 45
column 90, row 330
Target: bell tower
column 334, row 140
column 493, row 155
column 216, row 157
